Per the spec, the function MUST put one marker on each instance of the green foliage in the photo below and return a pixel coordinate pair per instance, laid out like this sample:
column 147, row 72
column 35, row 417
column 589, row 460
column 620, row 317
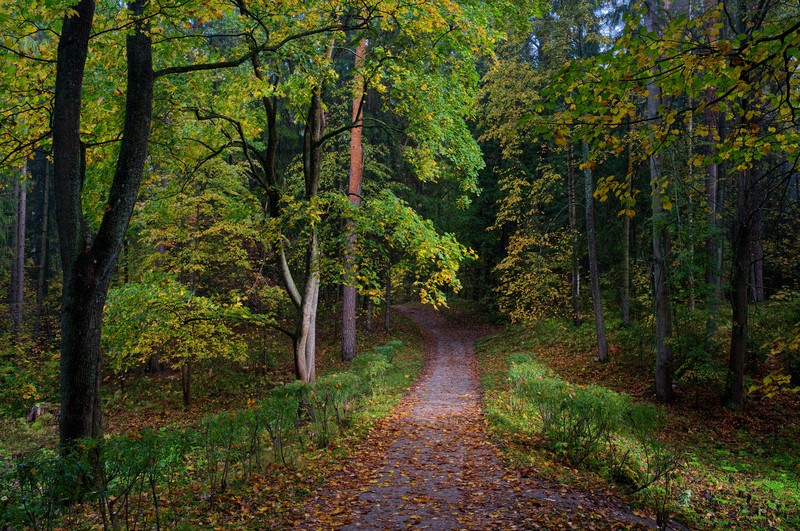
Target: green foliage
column 28, row 373
column 391, row 233
column 591, row 425
column 161, row 316
column 145, row 468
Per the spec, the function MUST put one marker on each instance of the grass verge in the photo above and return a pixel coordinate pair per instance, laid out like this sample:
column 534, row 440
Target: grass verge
column 737, row 470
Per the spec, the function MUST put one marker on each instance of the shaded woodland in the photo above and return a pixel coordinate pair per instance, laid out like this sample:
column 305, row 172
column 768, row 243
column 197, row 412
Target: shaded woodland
column 219, row 202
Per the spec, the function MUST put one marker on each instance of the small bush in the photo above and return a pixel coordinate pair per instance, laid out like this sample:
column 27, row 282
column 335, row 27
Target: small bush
column 594, row 424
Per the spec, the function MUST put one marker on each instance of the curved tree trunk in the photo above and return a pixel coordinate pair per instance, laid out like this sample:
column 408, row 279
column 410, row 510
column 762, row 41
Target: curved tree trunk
column 306, row 334
column 306, row 331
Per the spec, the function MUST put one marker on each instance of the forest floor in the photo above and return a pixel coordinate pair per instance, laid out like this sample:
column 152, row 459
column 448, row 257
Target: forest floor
column 430, row 465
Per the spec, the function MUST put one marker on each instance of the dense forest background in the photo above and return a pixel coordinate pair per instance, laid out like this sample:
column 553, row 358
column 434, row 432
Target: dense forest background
column 248, row 186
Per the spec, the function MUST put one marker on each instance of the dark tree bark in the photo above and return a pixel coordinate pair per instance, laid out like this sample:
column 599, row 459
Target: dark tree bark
column 349, row 294
column 575, row 274
column 186, row 383
column 44, row 250
column 88, row 263
column 740, row 294
column 664, row 360
column 594, row 272
column 17, row 298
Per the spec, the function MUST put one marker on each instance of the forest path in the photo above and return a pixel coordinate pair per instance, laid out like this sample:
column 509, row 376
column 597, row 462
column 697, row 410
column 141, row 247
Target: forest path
column 431, row 466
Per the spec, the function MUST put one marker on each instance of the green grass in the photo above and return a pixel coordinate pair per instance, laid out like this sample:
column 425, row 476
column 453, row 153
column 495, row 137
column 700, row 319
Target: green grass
column 747, row 478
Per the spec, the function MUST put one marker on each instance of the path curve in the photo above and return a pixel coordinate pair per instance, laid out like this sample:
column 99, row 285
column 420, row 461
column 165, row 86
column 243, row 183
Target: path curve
column 431, row 466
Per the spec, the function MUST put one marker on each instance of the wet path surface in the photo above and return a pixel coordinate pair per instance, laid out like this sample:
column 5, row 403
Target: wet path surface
column 431, row 465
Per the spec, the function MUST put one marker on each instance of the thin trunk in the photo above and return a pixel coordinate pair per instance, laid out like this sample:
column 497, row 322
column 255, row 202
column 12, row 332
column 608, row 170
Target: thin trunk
column 626, row 250
column 575, row 279
column 44, row 242
column 714, row 240
column 18, row 268
column 758, row 256
column 186, row 383
column 386, row 316
column 349, row 294
column 594, row 273
column 370, row 326
column 664, row 360
column 690, row 213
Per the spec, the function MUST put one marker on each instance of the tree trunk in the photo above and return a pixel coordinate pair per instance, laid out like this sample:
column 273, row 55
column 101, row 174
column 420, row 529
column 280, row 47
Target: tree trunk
column 186, row 383
column 18, row 267
column 742, row 252
column 369, row 324
column 387, row 323
column 626, row 250
column 354, row 194
column 306, row 334
column 714, row 239
column 575, row 275
column 44, row 251
column 594, row 273
column 664, row 362
column 88, row 264
column 758, row 256
column 306, row 330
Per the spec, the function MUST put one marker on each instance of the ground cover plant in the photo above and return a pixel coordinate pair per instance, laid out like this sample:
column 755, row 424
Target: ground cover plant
column 270, row 451
column 550, row 403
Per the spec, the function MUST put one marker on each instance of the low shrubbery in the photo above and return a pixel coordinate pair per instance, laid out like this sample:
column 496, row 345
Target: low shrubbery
column 143, row 468
column 591, row 425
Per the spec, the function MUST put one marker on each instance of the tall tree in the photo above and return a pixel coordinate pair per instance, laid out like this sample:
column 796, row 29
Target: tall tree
column 354, row 195
column 17, row 298
column 660, row 238
column 594, row 270
column 88, row 260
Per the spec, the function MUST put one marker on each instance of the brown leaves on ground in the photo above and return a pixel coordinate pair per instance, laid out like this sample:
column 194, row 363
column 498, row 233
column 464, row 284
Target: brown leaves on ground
column 431, row 466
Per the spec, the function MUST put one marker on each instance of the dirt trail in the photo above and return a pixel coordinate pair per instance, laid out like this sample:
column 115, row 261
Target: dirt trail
column 431, row 466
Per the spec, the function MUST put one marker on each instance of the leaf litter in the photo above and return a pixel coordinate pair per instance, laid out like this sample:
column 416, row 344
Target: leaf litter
column 431, row 465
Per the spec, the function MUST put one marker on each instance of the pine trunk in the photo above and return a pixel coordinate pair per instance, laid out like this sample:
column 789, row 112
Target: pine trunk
column 349, row 294
column 664, row 361
column 575, row 274
column 18, row 267
column 594, row 272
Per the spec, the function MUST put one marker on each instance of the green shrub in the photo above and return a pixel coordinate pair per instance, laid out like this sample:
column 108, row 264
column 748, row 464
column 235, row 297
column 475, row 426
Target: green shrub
column 35, row 488
column 595, row 424
column 372, row 368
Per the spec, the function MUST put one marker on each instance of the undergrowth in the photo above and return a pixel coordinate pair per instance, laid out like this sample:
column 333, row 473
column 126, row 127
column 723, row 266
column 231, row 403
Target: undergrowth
column 550, row 404
column 160, row 478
